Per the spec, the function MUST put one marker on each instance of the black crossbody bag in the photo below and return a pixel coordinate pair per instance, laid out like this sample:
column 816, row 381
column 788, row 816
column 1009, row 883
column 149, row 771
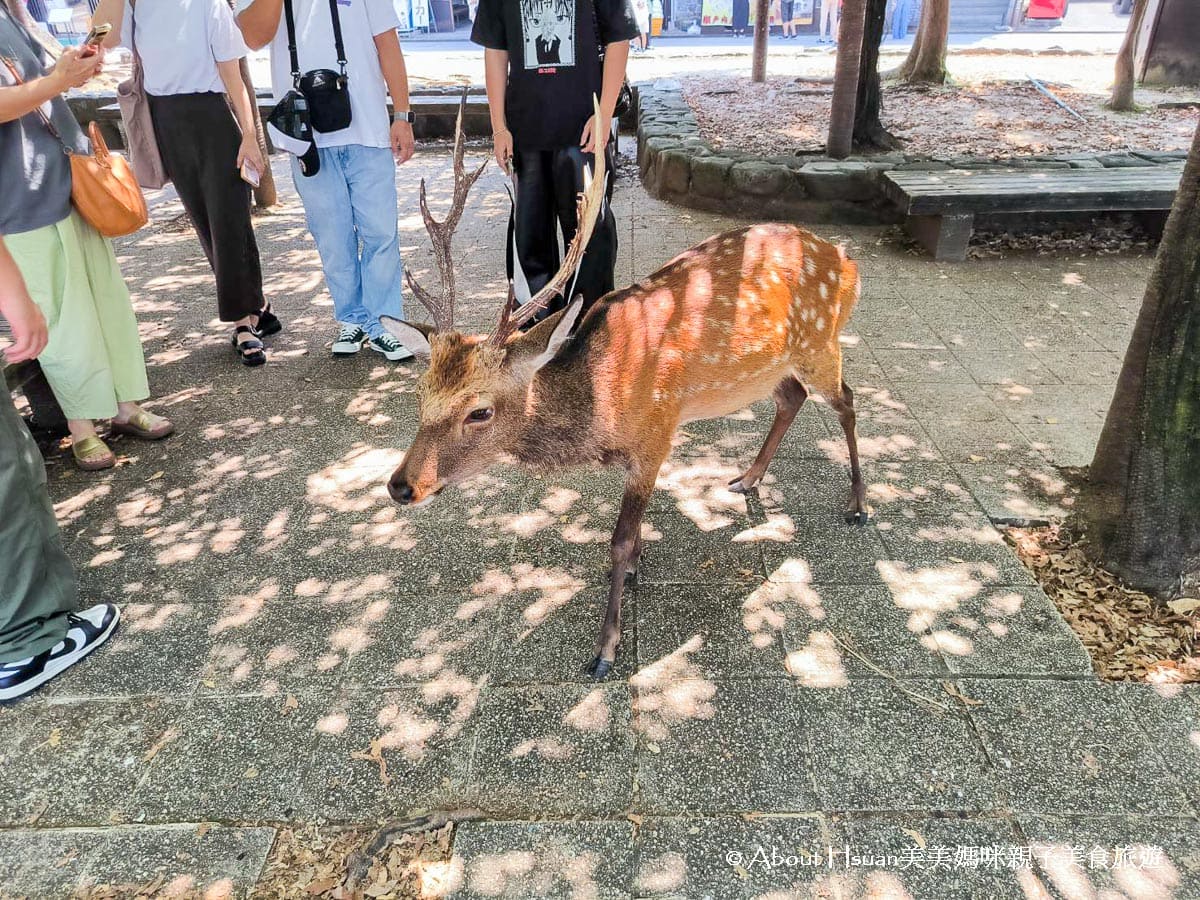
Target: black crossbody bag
column 326, row 91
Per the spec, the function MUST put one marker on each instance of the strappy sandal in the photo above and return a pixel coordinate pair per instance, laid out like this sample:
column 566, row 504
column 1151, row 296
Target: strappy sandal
column 268, row 322
column 92, row 454
column 250, row 350
column 144, row 425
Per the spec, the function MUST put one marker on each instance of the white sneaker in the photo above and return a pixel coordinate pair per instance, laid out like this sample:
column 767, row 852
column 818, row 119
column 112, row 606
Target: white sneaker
column 391, row 348
column 85, row 632
column 349, row 340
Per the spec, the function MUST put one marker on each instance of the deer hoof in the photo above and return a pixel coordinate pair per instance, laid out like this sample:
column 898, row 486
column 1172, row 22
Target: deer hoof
column 739, row 486
column 858, row 517
column 598, row 668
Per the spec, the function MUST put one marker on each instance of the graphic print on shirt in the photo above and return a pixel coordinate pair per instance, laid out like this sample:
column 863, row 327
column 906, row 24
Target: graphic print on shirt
column 548, row 27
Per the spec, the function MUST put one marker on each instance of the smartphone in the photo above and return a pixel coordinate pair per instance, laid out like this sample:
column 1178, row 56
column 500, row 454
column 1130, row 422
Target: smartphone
column 250, row 174
column 95, row 37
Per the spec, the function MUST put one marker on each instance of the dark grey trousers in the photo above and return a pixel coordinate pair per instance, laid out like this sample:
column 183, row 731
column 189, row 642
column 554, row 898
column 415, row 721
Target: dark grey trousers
column 37, row 581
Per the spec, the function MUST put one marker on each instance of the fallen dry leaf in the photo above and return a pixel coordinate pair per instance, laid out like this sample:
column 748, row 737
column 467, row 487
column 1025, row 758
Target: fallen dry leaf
column 375, row 755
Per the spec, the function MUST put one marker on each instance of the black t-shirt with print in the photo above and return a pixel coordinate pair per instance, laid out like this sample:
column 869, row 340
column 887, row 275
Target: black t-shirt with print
column 553, row 61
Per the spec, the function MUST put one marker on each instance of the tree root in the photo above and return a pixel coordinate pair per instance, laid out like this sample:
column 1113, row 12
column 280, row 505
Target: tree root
column 358, row 864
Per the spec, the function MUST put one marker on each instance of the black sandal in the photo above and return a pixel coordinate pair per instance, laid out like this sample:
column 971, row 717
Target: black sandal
column 268, row 322
column 250, row 350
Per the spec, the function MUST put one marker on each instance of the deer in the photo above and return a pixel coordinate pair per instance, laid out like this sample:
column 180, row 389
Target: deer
column 751, row 313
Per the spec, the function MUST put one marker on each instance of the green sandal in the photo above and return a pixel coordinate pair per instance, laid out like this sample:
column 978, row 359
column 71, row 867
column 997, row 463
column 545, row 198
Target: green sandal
column 92, row 454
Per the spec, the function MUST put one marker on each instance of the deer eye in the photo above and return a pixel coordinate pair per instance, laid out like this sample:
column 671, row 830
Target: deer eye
column 483, row 414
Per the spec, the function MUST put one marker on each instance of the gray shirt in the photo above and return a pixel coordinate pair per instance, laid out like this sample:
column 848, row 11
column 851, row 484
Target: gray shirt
column 35, row 174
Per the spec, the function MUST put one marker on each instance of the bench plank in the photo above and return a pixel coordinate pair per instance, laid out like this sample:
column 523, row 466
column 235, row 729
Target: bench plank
column 1058, row 190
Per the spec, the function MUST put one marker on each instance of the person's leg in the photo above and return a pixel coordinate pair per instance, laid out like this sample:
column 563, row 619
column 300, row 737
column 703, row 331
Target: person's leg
column 326, row 198
column 535, row 222
column 39, row 581
column 371, row 178
column 596, row 271
column 75, row 360
column 198, row 140
column 235, row 258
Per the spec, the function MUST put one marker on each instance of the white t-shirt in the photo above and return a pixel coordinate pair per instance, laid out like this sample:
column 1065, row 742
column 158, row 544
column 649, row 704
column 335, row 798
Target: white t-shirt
column 361, row 21
column 181, row 42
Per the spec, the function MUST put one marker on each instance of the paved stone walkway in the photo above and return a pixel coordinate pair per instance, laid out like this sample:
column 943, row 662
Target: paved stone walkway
column 786, row 682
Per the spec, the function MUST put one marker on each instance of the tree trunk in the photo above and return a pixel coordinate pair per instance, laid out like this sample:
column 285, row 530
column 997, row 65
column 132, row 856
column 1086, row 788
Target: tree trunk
column 1142, row 501
column 845, row 79
column 762, row 26
column 1122, row 94
column 926, row 61
column 869, row 133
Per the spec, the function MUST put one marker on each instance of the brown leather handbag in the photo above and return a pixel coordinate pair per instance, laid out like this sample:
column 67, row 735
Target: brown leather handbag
column 103, row 187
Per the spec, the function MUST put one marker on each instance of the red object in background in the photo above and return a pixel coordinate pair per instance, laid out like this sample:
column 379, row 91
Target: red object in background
column 1046, row 9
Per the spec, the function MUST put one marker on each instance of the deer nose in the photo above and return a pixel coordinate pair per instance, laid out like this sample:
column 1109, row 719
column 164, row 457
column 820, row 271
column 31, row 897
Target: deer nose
column 400, row 490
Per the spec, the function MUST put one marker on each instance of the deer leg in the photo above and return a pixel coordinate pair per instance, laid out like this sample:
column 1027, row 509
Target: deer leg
column 789, row 395
column 857, row 513
column 626, row 544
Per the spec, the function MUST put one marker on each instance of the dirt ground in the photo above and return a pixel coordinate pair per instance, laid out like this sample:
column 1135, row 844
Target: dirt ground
column 988, row 118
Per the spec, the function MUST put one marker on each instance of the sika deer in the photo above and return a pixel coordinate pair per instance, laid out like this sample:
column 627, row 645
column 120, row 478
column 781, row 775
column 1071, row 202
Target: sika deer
column 744, row 315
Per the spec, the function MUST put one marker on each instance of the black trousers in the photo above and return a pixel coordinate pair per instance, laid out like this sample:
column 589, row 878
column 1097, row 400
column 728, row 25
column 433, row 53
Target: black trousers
column 199, row 139
column 548, row 184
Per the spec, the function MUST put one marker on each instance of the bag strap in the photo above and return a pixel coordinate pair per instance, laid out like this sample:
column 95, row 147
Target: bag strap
column 337, row 34
column 290, row 16
column 12, row 68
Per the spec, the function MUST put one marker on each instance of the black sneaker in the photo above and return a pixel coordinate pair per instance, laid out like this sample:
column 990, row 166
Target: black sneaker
column 392, row 349
column 85, row 632
column 349, row 340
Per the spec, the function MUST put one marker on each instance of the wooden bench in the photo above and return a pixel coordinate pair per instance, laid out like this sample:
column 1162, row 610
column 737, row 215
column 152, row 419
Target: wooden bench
column 941, row 206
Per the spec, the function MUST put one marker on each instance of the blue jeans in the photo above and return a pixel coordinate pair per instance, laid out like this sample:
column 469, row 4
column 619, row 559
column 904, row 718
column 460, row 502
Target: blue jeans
column 900, row 17
column 351, row 202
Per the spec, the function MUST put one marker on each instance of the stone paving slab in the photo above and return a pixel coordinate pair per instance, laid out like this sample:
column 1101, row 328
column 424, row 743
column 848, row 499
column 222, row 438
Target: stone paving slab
column 543, row 860
column 1071, row 747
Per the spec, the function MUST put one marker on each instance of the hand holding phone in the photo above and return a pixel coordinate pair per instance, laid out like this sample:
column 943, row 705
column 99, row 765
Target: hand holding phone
column 250, row 174
column 94, row 39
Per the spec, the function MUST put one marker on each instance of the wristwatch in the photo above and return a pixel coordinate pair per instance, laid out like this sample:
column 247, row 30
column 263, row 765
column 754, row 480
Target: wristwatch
column 407, row 116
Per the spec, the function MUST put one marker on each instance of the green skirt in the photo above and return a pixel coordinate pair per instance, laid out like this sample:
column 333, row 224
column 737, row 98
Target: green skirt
column 94, row 357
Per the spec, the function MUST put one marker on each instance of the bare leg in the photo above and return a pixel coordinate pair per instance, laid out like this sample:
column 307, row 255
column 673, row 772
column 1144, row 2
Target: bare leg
column 789, row 397
column 857, row 513
column 626, row 542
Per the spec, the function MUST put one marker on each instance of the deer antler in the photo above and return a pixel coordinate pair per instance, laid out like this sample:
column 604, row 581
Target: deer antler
column 441, row 233
column 590, row 203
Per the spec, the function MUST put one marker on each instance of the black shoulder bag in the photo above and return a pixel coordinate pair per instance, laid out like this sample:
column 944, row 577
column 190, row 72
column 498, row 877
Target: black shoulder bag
column 325, row 90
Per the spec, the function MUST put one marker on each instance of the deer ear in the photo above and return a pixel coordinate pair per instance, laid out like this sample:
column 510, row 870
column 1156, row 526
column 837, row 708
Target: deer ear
column 413, row 335
column 536, row 347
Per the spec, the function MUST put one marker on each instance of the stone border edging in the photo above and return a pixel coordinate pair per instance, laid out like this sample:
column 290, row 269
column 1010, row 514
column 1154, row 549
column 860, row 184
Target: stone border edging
column 678, row 165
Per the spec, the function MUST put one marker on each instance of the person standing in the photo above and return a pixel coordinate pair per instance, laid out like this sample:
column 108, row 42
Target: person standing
column 93, row 359
column 741, row 17
column 41, row 635
column 829, row 21
column 786, row 13
column 190, row 52
column 349, row 192
column 901, row 14
column 544, row 124
column 641, row 11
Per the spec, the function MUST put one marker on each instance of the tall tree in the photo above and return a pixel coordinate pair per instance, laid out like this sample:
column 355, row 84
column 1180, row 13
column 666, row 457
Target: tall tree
column 762, row 27
column 1142, row 501
column 926, row 61
column 1122, row 94
column 869, row 133
column 265, row 195
column 845, row 79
